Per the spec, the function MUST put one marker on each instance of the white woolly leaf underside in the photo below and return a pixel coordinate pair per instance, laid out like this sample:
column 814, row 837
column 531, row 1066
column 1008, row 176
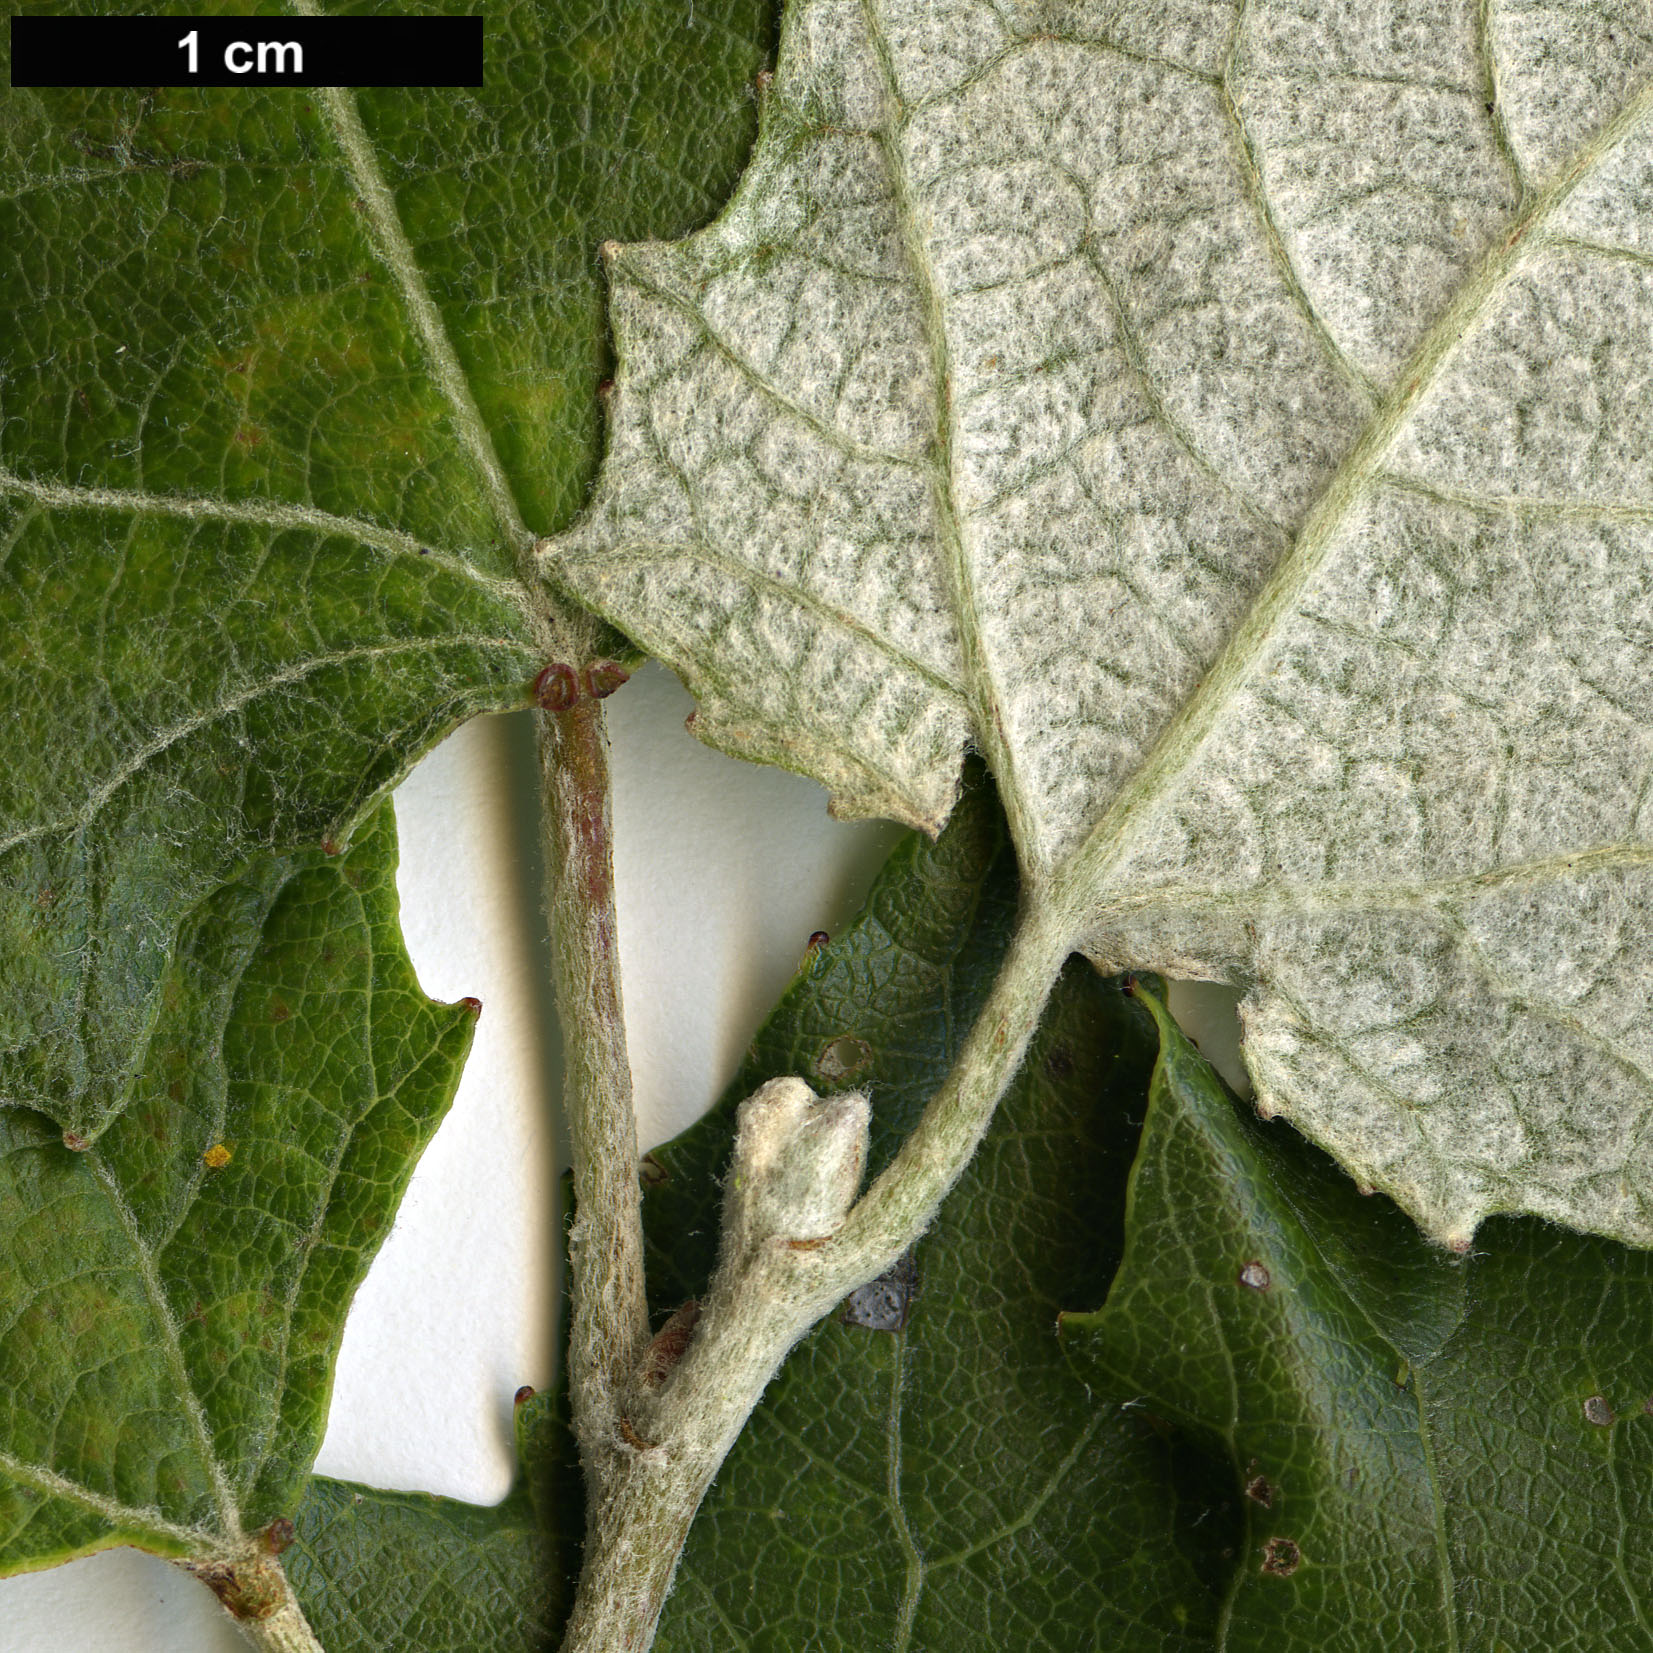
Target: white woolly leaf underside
column 1239, row 425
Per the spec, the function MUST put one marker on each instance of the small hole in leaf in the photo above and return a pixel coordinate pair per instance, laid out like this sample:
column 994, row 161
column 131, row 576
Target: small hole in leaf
column 844, row 1056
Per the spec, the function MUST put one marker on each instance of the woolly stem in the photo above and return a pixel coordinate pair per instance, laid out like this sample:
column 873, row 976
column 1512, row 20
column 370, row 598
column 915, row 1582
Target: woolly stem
column 772, row 1284
column 610, row 1311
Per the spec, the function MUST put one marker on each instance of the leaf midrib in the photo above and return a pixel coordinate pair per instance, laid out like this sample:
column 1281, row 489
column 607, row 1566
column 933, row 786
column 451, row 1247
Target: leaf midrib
column 1081, row 888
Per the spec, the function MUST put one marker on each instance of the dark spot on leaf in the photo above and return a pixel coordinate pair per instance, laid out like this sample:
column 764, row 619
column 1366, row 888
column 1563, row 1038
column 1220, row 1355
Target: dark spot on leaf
column 473, row 1005
column 278, row 1535
column 1255, row 1276
column 280, row 1010
column 1281, row 1557
column 1059, row 1062
column 882, row 1305
column 424, row 550
column 605, row 389
column 525, row 1393
column 556, row 688
column 330, row 846
column 652, row 1172
column 603, row 678
column 818, row 939
column 1258, row 1490
column 1127, row 985
column 1597, row 1411
column 844, row 1056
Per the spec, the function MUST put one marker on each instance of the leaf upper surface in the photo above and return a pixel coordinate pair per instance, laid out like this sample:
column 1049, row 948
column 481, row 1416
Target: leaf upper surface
column 175, row 1292
column 934, row 1474
column 1437, row 1454
column 1234, row 423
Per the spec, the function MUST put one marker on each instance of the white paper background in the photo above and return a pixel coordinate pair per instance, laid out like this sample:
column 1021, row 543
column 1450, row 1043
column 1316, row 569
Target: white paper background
column 723, row 870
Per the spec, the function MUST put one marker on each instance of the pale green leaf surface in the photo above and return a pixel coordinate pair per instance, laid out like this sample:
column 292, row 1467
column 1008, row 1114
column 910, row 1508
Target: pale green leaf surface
column 1438, row 1454
column 1235, row 424
column 947, row 1482
column 175, row 1293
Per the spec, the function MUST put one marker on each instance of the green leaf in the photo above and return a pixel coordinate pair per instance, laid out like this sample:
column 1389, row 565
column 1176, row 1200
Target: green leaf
column 176, row 1291
column 1436, row 1454
column 381, row 1570
column 1233, row 423
column 288, row 382
column 946, row 1480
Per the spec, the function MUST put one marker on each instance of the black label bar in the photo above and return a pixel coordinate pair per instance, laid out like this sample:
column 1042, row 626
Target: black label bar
column 246, row 51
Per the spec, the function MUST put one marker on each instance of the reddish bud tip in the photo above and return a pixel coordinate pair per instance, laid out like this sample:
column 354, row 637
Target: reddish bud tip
column 278, row 1535
column 605, row 389
column 818, row 938
column 330, row 846
column 556, row 688
column 75, row 1142
column 1128, row 986
column 690, row 721
column 525, row 1393
column 604, row 677
column 472, row 1005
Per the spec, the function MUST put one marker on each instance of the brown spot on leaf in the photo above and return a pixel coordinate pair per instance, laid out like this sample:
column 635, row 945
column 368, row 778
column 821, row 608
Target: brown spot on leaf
column 1281, row 1557
column 278, row 1536
column 652, row 1172
column 473, row 1005
column 1059, row 1062
column 75, row 1142
column 1255, row 1276
column 1597, row 1411
column 1258, row 1490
